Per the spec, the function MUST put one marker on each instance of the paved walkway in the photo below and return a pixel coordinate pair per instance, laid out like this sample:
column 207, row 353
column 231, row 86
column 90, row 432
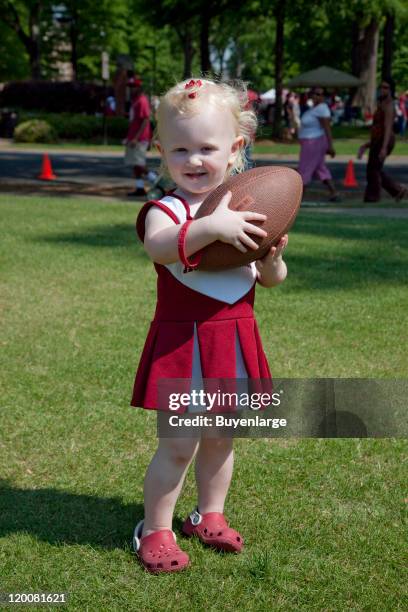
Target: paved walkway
column 103, row 174
column 8, row 146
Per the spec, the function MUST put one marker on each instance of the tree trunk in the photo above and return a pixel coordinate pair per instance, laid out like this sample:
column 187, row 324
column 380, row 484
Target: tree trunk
column 221, row 55
column 364, row 64
column 34, row 47
column 188, row 50
column 186, row 38
column 386, row 71
column 204, row 40
column 279, row 53
column 31, row 41
column 73, row 37
column 238, row 67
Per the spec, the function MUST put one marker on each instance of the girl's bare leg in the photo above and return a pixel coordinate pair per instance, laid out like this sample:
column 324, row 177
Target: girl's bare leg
column 213, row 469
column 164, row 480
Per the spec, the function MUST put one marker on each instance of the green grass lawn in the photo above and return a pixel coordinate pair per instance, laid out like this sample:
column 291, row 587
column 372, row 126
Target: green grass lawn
column 323, row 520
column 71, row 144
column 346, row 140
column 347, row 146
column 339, row 131
column 343, row 146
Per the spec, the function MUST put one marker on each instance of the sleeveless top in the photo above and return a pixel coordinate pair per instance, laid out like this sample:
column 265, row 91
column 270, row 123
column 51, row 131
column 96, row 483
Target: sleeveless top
column 203, row 327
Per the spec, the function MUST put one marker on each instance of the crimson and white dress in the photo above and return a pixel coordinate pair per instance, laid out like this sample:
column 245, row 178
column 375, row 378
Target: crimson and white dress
column 204, row 325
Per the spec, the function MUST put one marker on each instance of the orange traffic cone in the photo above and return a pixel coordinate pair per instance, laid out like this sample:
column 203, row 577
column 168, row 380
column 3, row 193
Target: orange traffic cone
column 350, row 178
column 46, row 171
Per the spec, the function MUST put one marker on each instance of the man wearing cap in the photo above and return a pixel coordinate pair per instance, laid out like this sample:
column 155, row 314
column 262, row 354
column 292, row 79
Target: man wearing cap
column 138, row 137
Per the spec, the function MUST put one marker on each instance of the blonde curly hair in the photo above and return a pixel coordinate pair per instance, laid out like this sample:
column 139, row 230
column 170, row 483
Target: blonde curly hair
column 183, row 97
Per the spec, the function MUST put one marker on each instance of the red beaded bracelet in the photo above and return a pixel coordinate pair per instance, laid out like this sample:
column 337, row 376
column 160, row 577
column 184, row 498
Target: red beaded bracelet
column 189, row 266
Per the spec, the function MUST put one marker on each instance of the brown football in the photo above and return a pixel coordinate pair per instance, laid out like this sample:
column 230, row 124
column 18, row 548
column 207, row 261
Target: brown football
column 275, row 191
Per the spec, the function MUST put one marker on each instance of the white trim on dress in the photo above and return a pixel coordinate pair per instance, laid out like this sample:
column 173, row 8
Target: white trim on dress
column 229, row 286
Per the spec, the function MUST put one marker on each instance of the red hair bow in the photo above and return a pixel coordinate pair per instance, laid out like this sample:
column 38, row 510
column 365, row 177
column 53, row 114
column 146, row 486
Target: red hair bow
column 193, row 83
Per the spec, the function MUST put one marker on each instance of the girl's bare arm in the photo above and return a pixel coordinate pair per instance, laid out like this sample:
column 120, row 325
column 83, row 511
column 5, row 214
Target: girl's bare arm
column 232, row 227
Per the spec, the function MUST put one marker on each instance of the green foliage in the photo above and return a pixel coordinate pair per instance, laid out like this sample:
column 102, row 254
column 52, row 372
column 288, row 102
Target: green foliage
column 86, row 128
column 400, row 60
column 157, row 56
column 35, row 130
column 241, row 37
column 317, row 37
column 400, row 67
column 248, row 58
column 13, row 57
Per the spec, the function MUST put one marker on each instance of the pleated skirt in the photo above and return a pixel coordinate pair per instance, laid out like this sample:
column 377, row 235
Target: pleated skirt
column 226, row 337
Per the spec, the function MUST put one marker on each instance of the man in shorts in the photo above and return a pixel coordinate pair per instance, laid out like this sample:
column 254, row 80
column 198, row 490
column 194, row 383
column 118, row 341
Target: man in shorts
column 138, row 137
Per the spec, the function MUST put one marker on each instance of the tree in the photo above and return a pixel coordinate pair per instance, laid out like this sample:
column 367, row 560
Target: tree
column 400, row 55
column 24, row 17
column 365, row 38
column 396, row 13
column 13, row 56
column 279, row 14
column 180, row 15
column 388, row 44
column 190, row 19
column 368, row 16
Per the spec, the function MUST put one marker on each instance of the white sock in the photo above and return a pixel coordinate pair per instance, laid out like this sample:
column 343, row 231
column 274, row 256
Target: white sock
column 139, row 184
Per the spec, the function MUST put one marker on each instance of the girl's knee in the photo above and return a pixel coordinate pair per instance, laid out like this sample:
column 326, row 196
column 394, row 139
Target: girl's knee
column 178, row 450
column 216, row 445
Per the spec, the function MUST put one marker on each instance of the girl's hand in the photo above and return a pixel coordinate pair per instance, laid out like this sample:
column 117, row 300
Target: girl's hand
column 275, row 252
column 331, row 152
column 232, row 227
column 271, row 268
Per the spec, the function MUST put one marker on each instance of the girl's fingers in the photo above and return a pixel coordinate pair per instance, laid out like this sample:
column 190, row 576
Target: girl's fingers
column 248, row 241
column 254, row 229
column 253, row 216
column 282, row 244
column 278, row 250
column 238, row 245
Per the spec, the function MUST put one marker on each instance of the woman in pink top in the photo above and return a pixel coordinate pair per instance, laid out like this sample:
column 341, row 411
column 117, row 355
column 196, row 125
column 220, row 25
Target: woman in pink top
column 315, row 141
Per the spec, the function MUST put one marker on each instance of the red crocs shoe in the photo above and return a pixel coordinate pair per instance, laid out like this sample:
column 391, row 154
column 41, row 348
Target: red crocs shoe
column 212, row 528
column 158, row 551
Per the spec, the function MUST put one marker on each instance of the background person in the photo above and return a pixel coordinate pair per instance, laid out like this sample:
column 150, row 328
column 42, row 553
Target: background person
column 138, row 137
column 381, row 144
column 315, row 141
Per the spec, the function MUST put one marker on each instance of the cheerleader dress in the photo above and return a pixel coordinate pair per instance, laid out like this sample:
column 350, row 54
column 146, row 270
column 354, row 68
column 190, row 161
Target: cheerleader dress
column 204, row 325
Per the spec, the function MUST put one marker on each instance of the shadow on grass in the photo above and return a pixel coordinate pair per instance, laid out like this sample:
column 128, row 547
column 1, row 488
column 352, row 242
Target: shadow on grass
column 364, row 250
column 59, row 517
column 385, row 231
column 112, row 236
column 348, row 271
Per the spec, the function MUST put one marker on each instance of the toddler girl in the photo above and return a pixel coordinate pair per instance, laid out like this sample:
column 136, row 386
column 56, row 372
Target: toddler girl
column 204, row 324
